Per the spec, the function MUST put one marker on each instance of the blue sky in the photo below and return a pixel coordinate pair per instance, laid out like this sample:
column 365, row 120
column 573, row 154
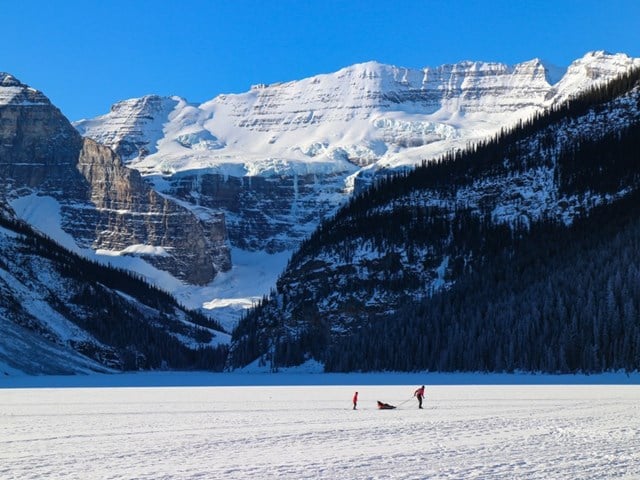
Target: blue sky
column 86, row 55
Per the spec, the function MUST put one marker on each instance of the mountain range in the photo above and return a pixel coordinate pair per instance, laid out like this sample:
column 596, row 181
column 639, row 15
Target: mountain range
column 279, row 158
column 191, row 187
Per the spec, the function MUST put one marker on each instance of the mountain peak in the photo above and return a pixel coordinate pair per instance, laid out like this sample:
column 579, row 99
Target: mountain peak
column 140, row 120
column 594, row 68
column 14, row 92
column 8, row 80
column 602, row 57
column 368, row 66
column 146, row 101
column 372, row 70
column 601, row 54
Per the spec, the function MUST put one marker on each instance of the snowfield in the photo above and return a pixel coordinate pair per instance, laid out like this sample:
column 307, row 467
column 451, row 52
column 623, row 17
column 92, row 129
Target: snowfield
column 310, row 431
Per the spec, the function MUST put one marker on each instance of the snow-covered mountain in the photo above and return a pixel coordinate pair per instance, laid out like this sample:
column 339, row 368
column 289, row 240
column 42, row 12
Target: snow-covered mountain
column 101, row 204
column 271, row 164
column 362, row 115
column 280, row 158
column 356, row 294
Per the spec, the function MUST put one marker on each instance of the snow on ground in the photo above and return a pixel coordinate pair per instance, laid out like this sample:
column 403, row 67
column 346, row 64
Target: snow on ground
column 252, row 276
column 310, row 431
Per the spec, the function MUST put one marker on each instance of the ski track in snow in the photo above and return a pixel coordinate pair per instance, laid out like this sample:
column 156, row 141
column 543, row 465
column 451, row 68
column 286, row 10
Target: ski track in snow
column 311, row 432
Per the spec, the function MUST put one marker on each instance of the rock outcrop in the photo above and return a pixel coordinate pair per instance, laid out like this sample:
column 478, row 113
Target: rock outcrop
column 103, row 204
column 272, row 214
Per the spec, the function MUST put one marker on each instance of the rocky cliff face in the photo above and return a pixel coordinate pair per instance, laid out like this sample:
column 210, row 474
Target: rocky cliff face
column 103, row 204
column 367, row 90
column 37, row 147
column 272, row 214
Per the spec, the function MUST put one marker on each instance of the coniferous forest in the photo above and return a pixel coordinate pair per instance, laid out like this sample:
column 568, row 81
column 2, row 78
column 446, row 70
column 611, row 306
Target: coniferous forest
column 136, row 324
column 565, row 300
column 536, row 294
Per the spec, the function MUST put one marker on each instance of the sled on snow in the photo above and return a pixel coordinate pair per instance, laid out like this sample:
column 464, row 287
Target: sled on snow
column 385, row 406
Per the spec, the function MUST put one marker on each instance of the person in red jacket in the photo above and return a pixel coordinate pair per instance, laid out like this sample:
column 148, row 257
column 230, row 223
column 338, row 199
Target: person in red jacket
column 419, row 394
column 355, row 400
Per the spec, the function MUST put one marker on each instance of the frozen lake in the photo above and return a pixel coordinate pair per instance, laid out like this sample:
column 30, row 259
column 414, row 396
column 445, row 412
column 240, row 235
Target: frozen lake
column 293, row 432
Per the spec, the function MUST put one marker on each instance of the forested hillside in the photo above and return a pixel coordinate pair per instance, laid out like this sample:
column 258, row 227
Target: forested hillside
column 385, row 278
column 62, row 313
column 565, row 299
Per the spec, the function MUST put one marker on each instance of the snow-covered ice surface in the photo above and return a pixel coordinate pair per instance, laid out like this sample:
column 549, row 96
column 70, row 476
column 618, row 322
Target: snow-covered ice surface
column 485, row 430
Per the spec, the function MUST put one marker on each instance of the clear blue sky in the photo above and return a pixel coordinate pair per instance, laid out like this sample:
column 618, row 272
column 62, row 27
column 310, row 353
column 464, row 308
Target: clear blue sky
column 86, row 55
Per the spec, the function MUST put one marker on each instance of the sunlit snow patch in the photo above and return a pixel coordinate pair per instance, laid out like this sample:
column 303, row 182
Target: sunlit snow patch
column 138, row 249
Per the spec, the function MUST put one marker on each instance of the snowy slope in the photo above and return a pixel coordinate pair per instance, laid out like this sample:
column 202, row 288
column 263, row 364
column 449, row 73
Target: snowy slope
column 253, row 273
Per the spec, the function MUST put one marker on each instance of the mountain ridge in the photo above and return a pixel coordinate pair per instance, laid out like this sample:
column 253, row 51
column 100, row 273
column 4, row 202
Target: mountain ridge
column 370, row 83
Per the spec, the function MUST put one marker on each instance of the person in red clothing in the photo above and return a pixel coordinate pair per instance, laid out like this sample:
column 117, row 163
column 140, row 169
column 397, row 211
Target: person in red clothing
column 355, row 400
column 419, row 394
